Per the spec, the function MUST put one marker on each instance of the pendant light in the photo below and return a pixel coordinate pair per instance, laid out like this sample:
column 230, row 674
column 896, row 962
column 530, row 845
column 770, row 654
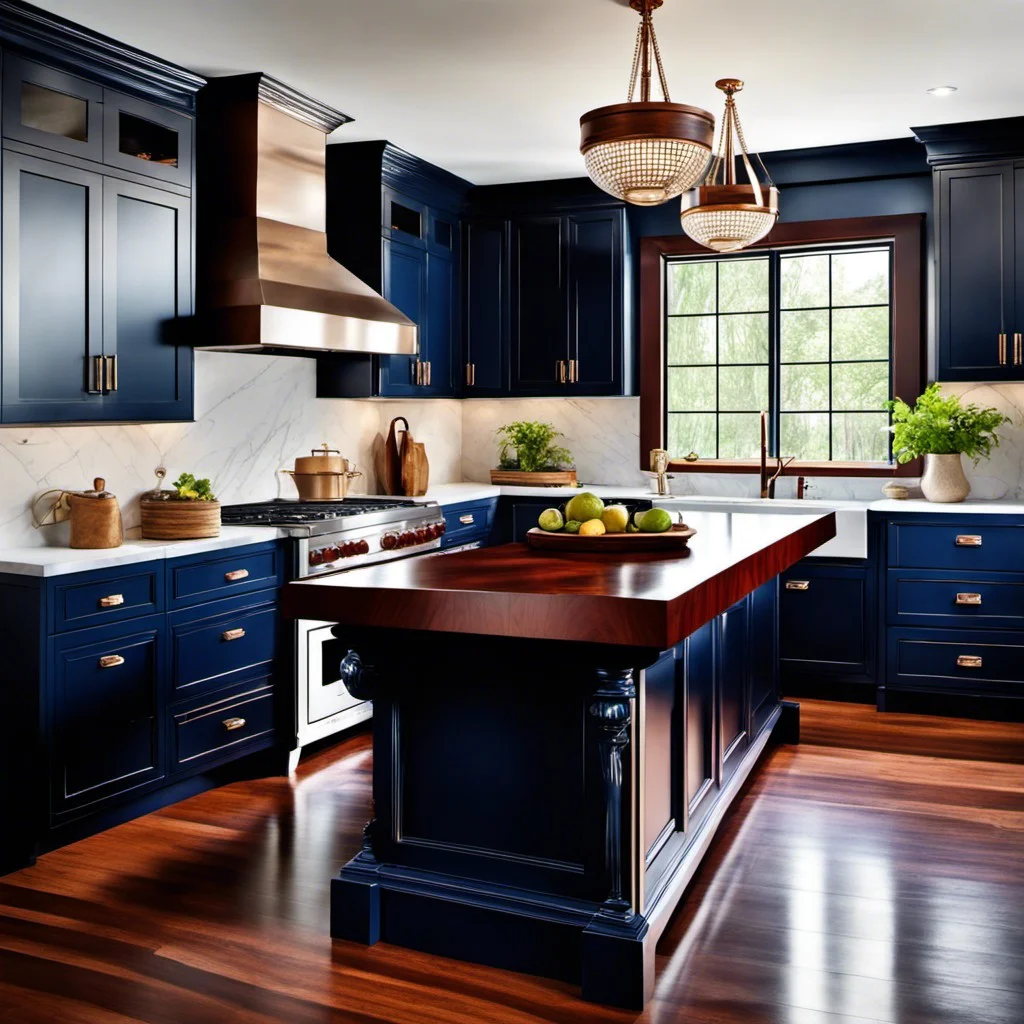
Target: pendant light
column 728, row 216
column 646, row 152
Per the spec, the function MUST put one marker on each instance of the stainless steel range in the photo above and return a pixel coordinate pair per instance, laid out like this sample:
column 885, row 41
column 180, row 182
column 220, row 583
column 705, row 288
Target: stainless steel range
column 335, row 536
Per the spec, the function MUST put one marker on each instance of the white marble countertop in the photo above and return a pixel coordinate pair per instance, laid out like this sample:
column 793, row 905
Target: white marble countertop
column 58, row 561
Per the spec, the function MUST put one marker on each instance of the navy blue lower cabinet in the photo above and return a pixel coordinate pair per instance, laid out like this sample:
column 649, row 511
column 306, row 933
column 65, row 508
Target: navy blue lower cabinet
column 469, row 522
column 734, row 685
column 933, row 598
column 106, row 738
column 828, row 628
column 972, row 662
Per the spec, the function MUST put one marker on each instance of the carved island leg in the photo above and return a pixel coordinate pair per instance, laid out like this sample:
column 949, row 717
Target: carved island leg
column 355, row 892
column 617, row 969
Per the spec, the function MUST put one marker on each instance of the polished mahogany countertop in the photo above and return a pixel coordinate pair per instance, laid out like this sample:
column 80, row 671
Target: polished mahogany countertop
column 641, row 600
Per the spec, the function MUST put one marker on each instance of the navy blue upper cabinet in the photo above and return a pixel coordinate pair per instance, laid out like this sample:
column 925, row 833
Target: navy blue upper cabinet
column 408, row 249
column 485, row 316
column 980, row 317
column 97, row 265
column 52, row 352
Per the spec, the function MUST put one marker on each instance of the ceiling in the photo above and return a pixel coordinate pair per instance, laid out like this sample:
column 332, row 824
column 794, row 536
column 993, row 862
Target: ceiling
column 493, row 89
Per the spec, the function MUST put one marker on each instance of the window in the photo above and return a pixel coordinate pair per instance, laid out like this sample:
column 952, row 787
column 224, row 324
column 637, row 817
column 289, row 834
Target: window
column 811, row 328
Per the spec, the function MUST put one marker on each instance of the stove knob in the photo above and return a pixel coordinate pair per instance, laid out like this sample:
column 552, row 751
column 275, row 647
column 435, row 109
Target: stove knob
column 330, row 554
column 316, row 557
column 362, row 548
column 442, row 527
column 389, row 541
column 406, row 539
column 422, row 535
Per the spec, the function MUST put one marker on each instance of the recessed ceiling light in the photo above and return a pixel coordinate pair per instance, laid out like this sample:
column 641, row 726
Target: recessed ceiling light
column 942, row 90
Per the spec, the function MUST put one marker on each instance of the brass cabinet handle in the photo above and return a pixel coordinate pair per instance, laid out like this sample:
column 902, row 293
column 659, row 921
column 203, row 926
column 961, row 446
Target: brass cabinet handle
column 467, row 519
column 112, row 600
column 417, row 372
column 97, row 376
column 1002, row 349
column 798, row 584
column 560, row 371
column 968, row 540
column 968, row 598
column 111, row 362
column 232, row 634
column 572, row 371
column 470, row 374
column 427, row 381
column 1018, row 349
column 235, row 575
column 968, row 661
column 231, row 724
column 111, row 661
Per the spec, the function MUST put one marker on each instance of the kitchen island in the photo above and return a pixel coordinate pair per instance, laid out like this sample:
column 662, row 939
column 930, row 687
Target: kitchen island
column 556, row 739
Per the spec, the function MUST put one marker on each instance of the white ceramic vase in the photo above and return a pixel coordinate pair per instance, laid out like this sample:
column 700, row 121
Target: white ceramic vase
column 944, row 479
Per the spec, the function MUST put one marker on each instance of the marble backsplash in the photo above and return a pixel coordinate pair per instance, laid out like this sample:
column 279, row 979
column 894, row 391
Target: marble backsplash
column 254, row 414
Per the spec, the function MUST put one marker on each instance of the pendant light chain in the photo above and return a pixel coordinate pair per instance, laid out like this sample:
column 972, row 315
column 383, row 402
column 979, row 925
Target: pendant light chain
column 661, row 68
column 634, row 74
column 743, row 145
column 646, row 43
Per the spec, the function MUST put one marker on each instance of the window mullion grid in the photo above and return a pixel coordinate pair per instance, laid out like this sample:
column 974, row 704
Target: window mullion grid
column 718, row 363
column 774, row 353
column 831, row 453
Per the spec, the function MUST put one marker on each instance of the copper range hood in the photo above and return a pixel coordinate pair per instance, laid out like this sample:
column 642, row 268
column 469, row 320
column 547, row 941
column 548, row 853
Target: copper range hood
column 265, row 282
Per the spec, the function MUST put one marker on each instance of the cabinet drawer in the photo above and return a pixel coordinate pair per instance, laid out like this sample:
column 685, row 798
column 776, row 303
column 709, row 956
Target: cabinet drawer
column 974, row 545
column 935, row 598
column 204, row 733
column 468, row 522
column 106, row 725
column 974, row 661
column 242, row 571
column 215, row 647
column 108, row 596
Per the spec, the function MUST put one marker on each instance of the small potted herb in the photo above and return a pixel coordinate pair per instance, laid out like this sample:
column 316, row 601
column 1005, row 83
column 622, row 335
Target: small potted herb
column 189, row 512
column 528, row 455
column 942, row 429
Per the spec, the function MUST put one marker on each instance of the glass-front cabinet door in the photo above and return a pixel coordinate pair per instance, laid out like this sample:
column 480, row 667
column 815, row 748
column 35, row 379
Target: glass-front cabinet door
column 46, row 107
column 146, row 139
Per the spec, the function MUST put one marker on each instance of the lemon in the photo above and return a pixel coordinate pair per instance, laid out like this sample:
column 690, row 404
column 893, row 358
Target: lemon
column 573, row 526
column 615, row 518
column 551, row 520
column 655, row 520
column 584, row 506
column 592, row 528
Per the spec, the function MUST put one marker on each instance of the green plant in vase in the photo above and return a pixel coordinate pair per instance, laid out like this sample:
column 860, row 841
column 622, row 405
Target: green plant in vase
column 528, row 446
column 940, row 428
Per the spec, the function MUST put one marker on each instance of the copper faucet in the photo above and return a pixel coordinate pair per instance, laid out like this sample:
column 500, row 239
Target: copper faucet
column 768, row 482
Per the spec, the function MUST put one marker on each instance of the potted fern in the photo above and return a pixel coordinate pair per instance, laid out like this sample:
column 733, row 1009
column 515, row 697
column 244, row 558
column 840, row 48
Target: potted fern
column 190, row 512
column 528, row 455
column 942, row 429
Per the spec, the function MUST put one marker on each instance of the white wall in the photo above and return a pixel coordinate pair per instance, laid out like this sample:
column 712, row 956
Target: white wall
column 254, row 414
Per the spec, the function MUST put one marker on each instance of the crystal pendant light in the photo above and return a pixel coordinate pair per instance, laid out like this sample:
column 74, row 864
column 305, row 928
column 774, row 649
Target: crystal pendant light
column 646, row 152
column 728, row 216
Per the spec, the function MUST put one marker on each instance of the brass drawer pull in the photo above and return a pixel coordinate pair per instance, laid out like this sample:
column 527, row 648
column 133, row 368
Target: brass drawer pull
column 235, row 575
column 798, row 584
column 1002, row 349
column 968, row 540
column 111, row 661
column 467, row 519
column 968, row 598
column 112, row 601
column 1018, row 349
column 232, row 634
column 231, row 724
column 968, row 661
column 111, row 362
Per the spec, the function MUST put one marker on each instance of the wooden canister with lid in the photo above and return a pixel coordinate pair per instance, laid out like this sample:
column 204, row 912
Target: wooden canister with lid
column 95, row 518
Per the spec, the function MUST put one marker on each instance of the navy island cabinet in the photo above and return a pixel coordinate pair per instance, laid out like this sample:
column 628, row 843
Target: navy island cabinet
column 546, row 305
column 97, row 227
column 134, row 686
column 979, row 207
column 393, row 220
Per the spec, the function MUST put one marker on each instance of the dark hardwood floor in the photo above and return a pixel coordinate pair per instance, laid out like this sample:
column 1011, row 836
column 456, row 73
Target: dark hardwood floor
column 873, row 873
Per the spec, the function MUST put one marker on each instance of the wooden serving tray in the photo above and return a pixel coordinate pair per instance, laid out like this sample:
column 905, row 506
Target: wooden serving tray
column 515, row 477
column 675, row 539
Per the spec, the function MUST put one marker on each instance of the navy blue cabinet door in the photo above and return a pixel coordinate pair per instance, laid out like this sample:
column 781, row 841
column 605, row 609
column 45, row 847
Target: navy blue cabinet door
column 595, row 241
column 52, row 294
column 539, row 353
column 976, row 273
column 700, row 742
column 147, row 283
column 52, row 109
column 1018, row 234
column 405, row 287
column 440, row 329
column 733, row 682
column 486, row 307
column 106, row 732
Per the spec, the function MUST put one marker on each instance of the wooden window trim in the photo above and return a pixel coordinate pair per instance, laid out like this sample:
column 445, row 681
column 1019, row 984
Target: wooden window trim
column 907, row 234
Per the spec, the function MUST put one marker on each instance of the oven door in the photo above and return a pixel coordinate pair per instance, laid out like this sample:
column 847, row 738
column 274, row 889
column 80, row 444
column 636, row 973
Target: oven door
column 322, row 694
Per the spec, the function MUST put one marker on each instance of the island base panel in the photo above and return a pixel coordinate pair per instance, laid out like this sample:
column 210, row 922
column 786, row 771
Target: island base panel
column 527, row 814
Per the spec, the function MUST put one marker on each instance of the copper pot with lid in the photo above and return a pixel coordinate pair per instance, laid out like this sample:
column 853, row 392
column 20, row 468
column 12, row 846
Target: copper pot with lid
column 323, row 475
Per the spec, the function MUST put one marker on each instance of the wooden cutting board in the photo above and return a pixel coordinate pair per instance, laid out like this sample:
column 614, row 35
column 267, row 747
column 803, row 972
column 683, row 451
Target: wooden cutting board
column 403, row 467
column 674, row 540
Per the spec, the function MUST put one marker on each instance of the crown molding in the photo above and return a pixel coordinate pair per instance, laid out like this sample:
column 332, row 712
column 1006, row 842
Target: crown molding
column 999, row 138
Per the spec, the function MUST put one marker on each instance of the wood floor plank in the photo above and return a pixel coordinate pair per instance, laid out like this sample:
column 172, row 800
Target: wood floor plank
column 871, row 875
